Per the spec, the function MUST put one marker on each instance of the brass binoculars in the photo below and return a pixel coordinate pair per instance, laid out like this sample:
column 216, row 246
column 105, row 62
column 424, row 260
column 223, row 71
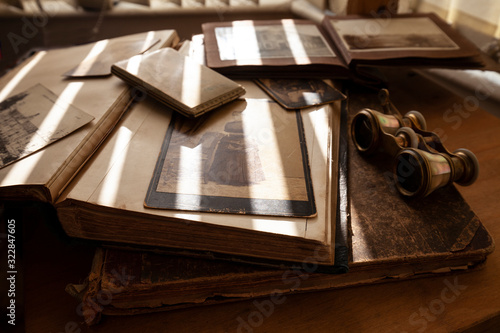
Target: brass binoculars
column 421, row 162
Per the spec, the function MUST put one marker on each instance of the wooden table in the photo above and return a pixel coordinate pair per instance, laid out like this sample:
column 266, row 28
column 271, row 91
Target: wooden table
column 467, row 302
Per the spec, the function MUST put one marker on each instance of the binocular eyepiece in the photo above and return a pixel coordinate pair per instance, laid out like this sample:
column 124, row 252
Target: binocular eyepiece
column 418, row 173
column 371, row 130
column 421, row 163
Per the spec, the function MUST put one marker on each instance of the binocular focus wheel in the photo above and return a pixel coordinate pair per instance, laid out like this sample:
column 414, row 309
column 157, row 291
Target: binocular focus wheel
column 410, row 134
column 474, row 164
column 420, row 118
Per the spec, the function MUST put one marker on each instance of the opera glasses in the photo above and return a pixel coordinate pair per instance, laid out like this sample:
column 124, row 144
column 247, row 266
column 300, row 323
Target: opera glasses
column 421, row 162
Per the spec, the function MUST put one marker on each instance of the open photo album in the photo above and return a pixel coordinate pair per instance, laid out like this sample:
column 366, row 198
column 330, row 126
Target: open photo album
column 338, row 47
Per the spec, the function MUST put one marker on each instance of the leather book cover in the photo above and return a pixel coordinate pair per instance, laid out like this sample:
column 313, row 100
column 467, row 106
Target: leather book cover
column 178, row 81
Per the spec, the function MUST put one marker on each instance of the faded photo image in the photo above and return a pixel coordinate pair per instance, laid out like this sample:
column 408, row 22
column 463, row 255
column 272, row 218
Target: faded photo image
column 234, row 149
column 33, row 119
column 245, row 42
column 222, row 157
column 250, row 151
column 300, row 93
column 419, row 33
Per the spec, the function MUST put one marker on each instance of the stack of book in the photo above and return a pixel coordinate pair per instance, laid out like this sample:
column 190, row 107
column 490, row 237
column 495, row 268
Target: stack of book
column 205, row 195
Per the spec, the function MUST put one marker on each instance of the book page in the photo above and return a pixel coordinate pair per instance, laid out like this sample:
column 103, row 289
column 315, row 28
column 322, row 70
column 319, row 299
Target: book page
column 92, row 96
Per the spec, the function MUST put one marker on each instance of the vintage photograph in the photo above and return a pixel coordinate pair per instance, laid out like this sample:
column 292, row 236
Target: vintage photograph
column 416, row 33
column 248, row 157
column 248, row 42
column 300, row 93
column 33, row 119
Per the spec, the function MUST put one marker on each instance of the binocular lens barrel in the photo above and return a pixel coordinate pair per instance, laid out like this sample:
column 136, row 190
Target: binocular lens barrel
column 418, row 173
column 363, row 132
column 409, row 174
column 367, row 128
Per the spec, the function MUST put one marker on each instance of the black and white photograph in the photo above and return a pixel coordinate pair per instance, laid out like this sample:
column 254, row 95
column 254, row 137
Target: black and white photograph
column 242, row 158
column 300, row 93
column 243, row 42
column 419, row 33
column 33, row 119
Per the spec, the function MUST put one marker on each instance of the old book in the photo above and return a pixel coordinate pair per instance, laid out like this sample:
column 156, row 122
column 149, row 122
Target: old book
column 106, row 200
column 178, row 81
column 141, row 281
column 338, row 47
column 45, row 173
column 391, row 239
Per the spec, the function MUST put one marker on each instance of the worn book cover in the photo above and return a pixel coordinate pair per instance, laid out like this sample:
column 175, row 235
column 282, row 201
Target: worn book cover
column 178, row 81
column 271, row 49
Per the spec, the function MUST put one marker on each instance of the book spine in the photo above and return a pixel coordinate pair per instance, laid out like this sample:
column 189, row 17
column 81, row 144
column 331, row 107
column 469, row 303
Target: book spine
column 90, row 144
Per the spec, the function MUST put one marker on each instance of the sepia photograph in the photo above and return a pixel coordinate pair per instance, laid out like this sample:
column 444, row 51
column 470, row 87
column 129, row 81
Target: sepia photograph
column 419, row 33
column 248, row 42
column 300, row 93
column 33, row 119
column 248, row 157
